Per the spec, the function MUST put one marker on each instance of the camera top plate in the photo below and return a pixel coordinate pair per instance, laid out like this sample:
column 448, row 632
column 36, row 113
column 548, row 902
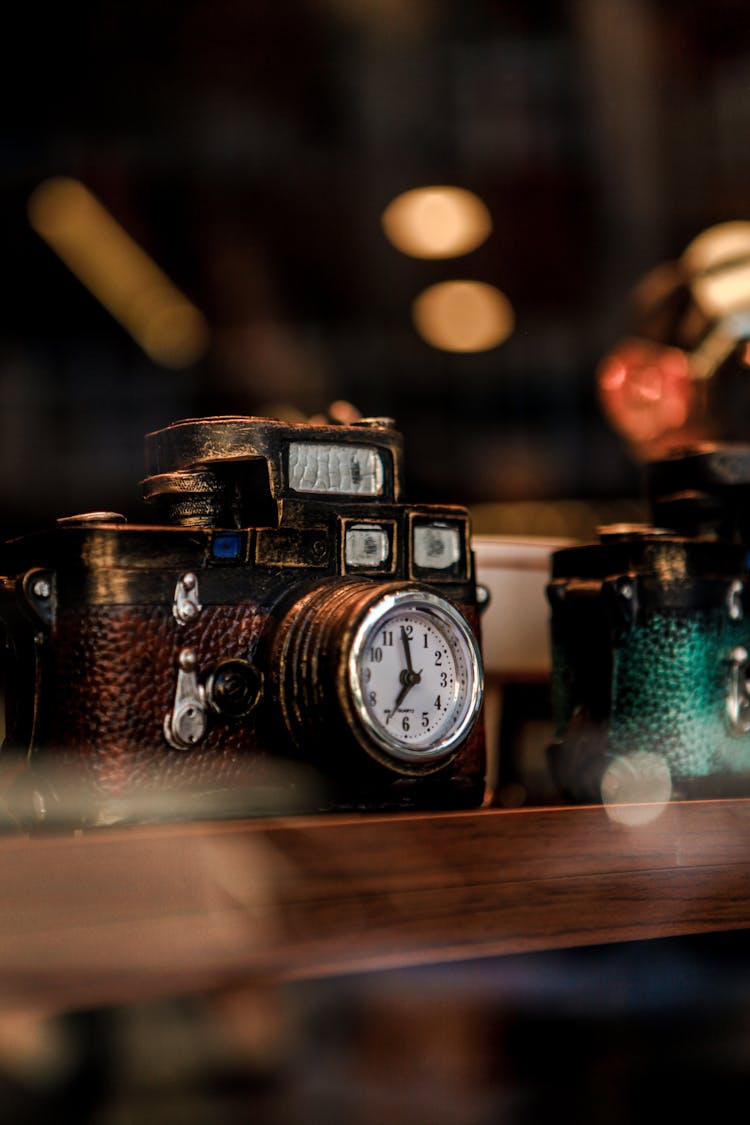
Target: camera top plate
column 706, row 466
column 197, row 443
column 680, row 558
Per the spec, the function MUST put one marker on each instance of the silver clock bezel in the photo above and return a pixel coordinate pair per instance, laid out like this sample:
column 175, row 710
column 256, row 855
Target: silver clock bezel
column 437, row 607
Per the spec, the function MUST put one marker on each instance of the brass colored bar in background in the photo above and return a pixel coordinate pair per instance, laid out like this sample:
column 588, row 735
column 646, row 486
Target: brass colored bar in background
column 118, row 272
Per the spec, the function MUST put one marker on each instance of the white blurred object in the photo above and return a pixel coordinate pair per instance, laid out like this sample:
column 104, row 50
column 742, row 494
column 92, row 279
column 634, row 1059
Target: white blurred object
column 515, row 644
column 515, row 626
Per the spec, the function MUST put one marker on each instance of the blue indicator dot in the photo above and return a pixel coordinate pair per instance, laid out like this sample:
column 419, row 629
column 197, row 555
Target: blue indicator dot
column 227, row 545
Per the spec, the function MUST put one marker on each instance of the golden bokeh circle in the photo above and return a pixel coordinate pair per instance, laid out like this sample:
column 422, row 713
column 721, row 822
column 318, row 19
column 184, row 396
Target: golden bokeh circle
column 463, row 316
column 436, row 222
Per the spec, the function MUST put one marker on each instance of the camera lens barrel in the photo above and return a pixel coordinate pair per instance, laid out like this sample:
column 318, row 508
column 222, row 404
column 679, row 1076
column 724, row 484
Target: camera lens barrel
column 310, row 662
column 391, row 669
column 189, row 497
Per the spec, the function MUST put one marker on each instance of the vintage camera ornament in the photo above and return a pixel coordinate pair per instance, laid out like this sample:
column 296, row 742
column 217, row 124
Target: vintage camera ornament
column 286, row 607
column 650, row 633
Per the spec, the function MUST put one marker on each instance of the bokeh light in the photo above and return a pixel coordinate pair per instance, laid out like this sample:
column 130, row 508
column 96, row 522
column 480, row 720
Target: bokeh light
column 636, row 788
column 437, row 222
column 463, row 316
column 645, row 389
column 718, row 245
column 719, row 260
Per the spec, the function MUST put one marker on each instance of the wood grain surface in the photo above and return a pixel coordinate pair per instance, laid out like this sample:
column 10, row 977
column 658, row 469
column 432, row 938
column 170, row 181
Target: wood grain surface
column 108, row 916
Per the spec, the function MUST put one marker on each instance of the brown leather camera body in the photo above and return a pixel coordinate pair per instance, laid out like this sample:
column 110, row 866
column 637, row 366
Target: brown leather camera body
column 196, row 666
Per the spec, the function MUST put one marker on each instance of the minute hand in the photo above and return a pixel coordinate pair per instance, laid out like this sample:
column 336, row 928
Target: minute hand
column 407, row 651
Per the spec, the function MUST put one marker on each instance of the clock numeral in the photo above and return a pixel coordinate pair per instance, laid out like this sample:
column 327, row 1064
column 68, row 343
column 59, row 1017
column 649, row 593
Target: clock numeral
column 405, row 722
column 388, row 638
column 368, row 675
column 376, row 654
column 443, row 679
column 438, row 659
column 425, row 637
column 373, row 698
column 425, row 719
column 408, row 630
column 438, row 704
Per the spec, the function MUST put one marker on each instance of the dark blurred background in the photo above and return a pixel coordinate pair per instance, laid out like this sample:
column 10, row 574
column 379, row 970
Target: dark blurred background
column 250, row 148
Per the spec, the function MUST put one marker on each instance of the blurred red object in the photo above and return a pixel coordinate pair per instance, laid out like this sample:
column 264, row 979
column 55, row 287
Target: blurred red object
column 648, row 395
column 680, row 375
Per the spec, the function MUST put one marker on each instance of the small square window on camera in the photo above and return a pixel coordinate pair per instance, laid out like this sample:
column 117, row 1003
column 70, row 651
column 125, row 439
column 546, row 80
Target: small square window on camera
column 438, row 549
column 368, row 546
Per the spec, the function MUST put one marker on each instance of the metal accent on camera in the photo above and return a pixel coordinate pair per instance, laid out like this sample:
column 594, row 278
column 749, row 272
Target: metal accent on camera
column 379, row 422
column 734, row 601
column 484, row 597
column 186, row 604
column 738, row 693
column 39, row 590
column 623, row 594
column 185, row 724
column 87, row 519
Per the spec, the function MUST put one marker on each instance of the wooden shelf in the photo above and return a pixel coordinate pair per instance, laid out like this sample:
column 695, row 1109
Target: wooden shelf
column 109, row 916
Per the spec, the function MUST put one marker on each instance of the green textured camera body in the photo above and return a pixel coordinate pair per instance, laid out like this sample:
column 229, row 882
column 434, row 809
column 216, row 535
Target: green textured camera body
column 650, row 652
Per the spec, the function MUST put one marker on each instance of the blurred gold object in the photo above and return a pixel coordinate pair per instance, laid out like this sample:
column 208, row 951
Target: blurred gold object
column 463, row 316
column 118, row 272
column 437, row 222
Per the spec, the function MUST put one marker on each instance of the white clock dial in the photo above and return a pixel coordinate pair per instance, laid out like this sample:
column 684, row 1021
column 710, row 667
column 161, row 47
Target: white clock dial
column 415, row 675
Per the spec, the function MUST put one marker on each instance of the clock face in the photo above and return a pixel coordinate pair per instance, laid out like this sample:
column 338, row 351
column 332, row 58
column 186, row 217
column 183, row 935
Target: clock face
column 415, row 676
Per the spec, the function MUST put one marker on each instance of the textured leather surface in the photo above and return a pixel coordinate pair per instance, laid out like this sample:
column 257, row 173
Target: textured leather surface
column 109, row 680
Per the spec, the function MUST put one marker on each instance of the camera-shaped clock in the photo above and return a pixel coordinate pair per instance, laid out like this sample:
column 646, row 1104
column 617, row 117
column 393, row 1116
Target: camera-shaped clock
column 286, row 606
column 650, row 635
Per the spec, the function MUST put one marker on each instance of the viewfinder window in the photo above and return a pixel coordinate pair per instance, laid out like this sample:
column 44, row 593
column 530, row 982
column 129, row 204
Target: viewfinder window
column 347, row 470
column 367, row 546
column 438, row 547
